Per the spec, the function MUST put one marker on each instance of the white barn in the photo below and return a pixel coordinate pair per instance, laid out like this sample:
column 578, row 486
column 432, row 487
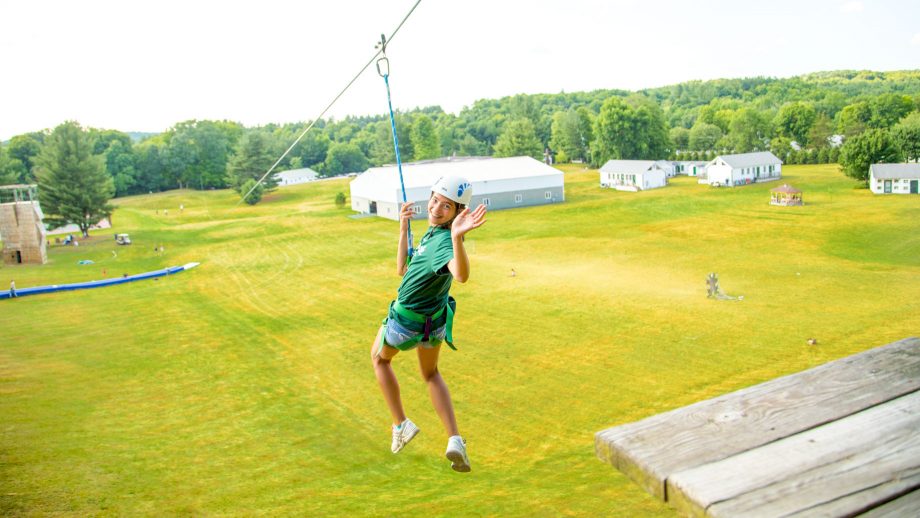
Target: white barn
column 894, row 178
column 295, row 176
column 633, row 175
column 743, row 169
column 498, row 183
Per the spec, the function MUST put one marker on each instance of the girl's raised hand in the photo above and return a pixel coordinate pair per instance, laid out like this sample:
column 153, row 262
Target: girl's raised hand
column 466, row 221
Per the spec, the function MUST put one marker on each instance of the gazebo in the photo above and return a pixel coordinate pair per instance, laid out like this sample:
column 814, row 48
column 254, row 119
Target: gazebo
column 785, row 195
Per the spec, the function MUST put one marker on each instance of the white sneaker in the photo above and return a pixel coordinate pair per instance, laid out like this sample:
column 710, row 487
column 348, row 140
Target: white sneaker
column 456, row 454
column 402, row 434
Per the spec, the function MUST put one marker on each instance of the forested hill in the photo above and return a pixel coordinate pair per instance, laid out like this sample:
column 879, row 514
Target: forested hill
column 802, row 119
column 828, row 91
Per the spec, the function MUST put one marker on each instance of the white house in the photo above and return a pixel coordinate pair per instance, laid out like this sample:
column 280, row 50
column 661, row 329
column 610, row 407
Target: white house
column 633, row 175
column 670, row 168
column 295, row 176
column 498, row 183
column 894, row 178
column 691, row 167
column 743, row 169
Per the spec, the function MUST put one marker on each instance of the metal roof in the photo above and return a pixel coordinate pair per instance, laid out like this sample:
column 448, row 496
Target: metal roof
column 629, row 166
column 749, row 159
column 894, row 171
column 488, row 175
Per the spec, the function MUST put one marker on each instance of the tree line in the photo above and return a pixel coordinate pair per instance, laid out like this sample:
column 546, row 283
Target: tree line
column 802, row 120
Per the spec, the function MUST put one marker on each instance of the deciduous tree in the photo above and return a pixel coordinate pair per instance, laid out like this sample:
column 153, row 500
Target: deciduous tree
column 680, row 137
column 344, row 158
column 425, row 140
column 630, row 129
column 568, row 135
column 795, row 121
column 873, row 146
column 519, row 139
column 906, row 136
column 24, row 149
column 703, row 136
column 8, row 174
column 749, row 131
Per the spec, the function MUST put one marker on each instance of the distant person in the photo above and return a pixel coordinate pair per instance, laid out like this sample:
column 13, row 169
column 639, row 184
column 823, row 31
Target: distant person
column 422, row 314
column 512, row 273
column 12, row 289
column 181, row 208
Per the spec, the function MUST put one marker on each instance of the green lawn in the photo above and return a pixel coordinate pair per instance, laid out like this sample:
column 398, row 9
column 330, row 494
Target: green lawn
column 244, row 386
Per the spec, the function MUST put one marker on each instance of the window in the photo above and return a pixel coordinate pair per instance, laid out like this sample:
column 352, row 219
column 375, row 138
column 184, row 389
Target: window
column 416, row 209
column 487, row 202
column 518, row 198
column 548, row 195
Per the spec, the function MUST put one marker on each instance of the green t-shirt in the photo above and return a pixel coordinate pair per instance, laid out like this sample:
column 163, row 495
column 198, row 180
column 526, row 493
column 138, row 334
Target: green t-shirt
column 427, row 281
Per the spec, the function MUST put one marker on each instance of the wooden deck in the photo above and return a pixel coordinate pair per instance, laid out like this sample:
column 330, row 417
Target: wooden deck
column 837, row 440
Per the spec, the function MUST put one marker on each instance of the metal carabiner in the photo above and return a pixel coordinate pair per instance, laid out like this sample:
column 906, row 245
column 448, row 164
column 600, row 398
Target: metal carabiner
column 382, row 45
column 386, row 66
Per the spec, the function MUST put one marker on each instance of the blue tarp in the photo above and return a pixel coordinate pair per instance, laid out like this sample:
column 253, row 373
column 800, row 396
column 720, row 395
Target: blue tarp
column 35, row 290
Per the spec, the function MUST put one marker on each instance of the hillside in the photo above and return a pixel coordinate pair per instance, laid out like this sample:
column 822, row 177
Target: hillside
column 244, row 386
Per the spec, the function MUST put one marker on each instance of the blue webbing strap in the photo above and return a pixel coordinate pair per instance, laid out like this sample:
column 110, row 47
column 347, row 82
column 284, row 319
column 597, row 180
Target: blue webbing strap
column 386, row 79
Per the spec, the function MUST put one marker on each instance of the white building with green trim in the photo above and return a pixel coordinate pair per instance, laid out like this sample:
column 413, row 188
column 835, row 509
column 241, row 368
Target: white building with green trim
column 633, row 175
column 894, row 178
column 743, row 169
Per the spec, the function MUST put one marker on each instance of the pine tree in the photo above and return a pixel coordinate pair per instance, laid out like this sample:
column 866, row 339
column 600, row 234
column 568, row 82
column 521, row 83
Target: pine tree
column 73, row 185
column 251, row 160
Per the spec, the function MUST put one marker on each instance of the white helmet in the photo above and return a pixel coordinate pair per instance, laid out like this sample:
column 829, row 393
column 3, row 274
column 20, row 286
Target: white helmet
column 454, row 188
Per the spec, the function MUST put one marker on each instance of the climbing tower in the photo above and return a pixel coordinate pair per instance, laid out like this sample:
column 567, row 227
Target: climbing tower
column 21, row 227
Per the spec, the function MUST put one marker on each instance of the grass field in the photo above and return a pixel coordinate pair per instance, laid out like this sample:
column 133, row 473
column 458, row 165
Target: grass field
column 244, row 386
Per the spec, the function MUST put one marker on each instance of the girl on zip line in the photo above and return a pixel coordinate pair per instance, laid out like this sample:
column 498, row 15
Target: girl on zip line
column 422, row 315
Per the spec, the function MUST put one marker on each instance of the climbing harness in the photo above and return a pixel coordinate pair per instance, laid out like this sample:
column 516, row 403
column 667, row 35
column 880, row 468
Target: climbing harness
column 383, row 69
column 447, row 311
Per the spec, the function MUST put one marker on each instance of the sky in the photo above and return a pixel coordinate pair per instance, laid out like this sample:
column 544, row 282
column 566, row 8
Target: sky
column 145, row 66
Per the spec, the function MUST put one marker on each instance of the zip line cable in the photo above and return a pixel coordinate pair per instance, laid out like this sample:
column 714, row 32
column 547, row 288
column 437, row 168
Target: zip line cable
column 320, row 116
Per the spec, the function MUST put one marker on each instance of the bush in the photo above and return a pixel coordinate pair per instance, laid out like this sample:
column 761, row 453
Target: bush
column 257, row 190
column 340, row 200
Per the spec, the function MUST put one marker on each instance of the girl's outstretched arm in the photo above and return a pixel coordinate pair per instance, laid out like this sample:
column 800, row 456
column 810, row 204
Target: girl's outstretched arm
column 402, row 250
column 459, row 266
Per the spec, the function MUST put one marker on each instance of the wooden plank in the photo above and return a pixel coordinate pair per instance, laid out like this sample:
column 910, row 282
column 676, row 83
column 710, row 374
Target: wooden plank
column 649, row 451
column 841, row 468
column 907, row 505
